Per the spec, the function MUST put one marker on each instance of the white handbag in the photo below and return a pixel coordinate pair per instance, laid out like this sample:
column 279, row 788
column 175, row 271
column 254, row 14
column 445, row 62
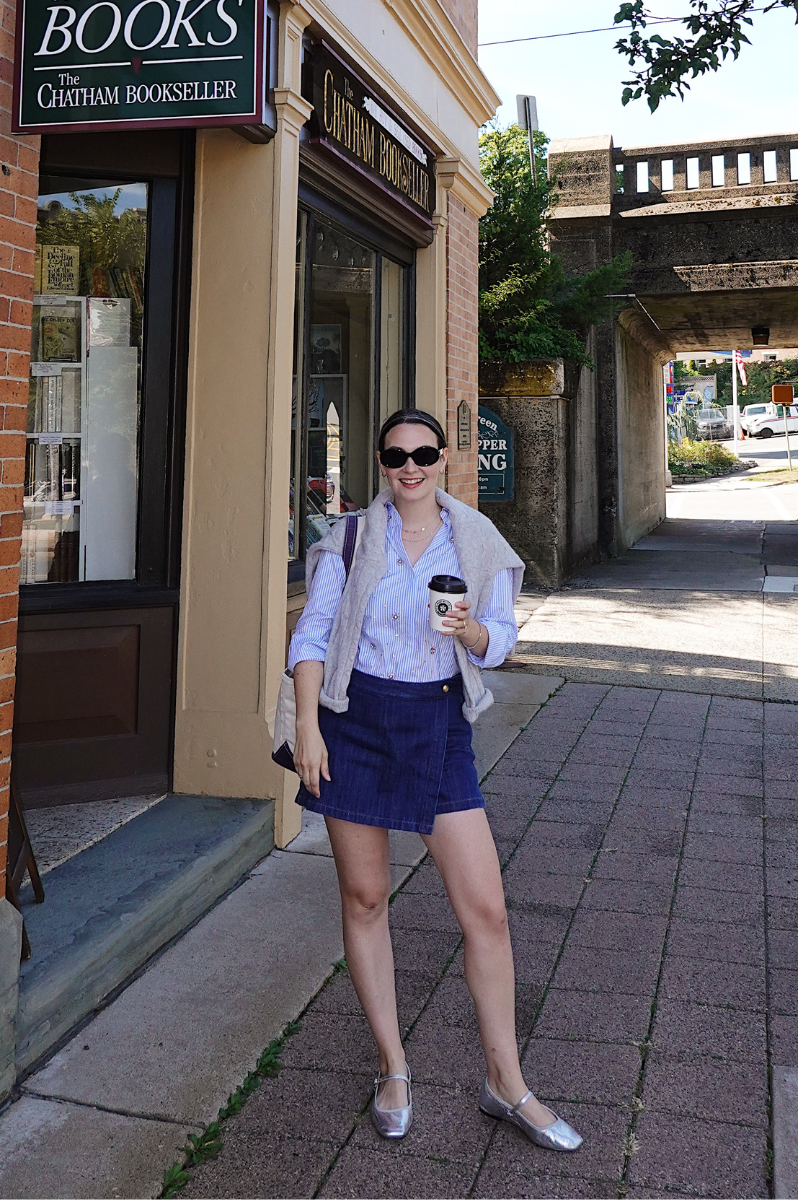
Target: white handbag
column 286, row 711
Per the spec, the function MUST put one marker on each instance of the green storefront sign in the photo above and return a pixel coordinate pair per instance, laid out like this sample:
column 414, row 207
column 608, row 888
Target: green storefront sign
column 138, row 64
column 495, row 457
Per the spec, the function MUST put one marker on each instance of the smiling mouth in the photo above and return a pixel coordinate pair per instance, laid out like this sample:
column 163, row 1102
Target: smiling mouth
column 411, row 482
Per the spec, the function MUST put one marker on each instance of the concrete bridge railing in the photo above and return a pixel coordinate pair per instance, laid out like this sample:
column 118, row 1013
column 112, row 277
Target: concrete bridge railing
column 592, row 173
column 704, row 170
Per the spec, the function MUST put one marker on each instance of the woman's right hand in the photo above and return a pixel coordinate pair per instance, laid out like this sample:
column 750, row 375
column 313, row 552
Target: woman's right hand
column 311, row 756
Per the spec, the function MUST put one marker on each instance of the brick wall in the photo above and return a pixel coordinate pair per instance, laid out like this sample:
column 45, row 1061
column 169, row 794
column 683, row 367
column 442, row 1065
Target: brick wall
column 464, row 15
column 19, row 182
column 462, row 346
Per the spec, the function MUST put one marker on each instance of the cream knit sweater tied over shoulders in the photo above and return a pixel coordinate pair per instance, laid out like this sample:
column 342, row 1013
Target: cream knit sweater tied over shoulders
column 482, row 552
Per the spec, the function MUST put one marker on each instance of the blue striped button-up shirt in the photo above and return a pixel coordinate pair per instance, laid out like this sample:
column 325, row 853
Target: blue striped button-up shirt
column 396, row 640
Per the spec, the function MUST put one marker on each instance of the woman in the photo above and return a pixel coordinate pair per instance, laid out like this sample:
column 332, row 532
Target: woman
column 383, row 741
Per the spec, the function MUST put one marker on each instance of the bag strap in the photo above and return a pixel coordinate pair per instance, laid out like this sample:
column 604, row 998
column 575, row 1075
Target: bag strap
column 350, row 542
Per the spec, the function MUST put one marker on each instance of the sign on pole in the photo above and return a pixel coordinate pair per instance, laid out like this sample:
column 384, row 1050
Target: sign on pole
column 528, row 119
column 783, row 395
column 495, row 457
column 138, row 64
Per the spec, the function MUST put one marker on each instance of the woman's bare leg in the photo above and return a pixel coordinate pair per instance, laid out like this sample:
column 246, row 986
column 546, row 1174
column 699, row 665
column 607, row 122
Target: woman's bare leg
column 361, row 853
column 463, row 849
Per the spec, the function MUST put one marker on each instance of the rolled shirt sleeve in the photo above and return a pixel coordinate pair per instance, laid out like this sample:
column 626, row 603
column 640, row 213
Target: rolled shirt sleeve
column 499, row 621
column 310, row 639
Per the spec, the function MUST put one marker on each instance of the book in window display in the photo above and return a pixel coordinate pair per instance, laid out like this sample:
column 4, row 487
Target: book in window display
column 109, row 322
column 71, row 400
column 60, row 338
column 61, row 270
column 51, row 537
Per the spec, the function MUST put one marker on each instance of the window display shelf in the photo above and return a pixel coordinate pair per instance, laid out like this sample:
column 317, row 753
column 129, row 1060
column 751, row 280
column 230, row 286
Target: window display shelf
column 79, row 519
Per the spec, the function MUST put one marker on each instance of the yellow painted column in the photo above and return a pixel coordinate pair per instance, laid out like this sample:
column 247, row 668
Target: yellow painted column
column 293, row 111
column 236, row 505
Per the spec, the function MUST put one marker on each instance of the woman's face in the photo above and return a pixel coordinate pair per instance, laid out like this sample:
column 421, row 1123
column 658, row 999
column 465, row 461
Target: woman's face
column 411, row 483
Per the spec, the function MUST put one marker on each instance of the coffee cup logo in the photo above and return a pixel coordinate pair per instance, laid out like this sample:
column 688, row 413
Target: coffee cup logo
column 442, row 607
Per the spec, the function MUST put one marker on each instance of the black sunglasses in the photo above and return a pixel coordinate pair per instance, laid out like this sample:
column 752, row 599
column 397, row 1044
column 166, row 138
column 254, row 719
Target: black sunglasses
column 395, row 458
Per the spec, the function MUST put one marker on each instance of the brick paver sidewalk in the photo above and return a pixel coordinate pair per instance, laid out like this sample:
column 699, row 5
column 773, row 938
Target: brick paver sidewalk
column 648, row 847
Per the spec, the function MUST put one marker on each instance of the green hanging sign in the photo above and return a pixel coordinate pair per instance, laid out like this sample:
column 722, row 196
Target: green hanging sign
column 138, row 64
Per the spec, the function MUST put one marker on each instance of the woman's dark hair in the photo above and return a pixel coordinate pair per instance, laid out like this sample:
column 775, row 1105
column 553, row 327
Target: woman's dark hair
column 412, row 416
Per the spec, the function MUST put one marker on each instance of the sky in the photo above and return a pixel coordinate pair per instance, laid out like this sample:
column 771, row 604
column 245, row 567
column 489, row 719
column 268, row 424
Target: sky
column 577, row 81
column 131, row 195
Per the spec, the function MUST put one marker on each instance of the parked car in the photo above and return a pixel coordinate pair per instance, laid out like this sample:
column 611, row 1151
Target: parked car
column 771, row 423
column 712, row 423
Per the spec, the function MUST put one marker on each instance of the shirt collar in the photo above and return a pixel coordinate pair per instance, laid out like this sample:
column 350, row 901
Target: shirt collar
column 394, row 515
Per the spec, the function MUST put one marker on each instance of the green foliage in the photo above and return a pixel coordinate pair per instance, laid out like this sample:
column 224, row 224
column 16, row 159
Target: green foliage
column 716, row 29
column 208, row 1144
column 699, row 458
column 528, row 306
column 682, row 423
column 175, row 1179
column 114, row 241
column 205, row 1145
column 760, row 378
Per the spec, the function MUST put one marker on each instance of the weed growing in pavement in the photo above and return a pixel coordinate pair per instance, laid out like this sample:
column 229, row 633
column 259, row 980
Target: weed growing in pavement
column 769, row 1166
column 630, row 1144
column 175, row 1178
column 340, row 966
column 206, row 1145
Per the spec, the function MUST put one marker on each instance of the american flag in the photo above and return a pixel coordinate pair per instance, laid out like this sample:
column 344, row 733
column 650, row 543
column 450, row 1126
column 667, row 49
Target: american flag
column 739, row 364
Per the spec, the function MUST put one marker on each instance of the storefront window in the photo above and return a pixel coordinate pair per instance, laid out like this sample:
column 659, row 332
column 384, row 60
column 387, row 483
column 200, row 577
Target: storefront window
column 81, row 472
column 349, row 372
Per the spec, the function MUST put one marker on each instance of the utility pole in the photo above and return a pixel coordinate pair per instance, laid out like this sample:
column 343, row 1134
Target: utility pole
column 528, row 119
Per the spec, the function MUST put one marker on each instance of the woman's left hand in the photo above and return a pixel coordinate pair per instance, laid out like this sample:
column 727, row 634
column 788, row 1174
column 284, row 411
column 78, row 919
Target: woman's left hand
column 461, row 624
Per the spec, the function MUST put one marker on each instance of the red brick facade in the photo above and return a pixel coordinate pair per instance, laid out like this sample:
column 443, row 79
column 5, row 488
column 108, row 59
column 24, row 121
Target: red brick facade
column 462, row 346
column 19, row 185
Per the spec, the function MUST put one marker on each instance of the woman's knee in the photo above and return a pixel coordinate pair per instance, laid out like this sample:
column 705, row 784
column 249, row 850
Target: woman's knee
column 366, row 901
column 486, row 916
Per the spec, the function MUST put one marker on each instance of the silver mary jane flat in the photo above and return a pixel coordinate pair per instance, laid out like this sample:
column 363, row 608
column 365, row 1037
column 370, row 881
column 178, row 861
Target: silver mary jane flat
column 556, row 1136
column 392, row 1122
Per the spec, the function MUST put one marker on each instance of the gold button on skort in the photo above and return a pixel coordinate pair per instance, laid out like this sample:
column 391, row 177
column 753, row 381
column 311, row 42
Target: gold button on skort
column 445, row 687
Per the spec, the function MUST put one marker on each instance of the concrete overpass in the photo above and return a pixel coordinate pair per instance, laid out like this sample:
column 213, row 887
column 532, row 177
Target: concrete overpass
column 712, row 228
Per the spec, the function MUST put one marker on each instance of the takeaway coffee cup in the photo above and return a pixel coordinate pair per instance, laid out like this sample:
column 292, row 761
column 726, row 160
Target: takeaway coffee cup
column 445, row 591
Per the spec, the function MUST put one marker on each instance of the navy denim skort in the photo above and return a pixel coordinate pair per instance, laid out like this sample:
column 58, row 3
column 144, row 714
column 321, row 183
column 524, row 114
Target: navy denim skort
column 401, row 754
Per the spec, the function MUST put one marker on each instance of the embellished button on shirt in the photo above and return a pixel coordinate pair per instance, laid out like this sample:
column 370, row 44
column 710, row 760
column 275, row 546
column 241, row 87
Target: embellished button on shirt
column 396, row 640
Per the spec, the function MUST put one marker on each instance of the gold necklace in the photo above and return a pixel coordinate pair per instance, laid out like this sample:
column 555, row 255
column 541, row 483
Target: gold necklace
column 408, row 533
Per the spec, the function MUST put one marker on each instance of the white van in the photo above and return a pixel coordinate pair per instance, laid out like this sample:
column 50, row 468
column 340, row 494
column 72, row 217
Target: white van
column 750, row 412
column 762, row 420
column 772, row 423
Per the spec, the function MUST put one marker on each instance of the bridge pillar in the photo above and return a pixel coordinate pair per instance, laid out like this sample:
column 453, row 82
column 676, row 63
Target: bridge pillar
column 625, row 390
column 552, row 520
